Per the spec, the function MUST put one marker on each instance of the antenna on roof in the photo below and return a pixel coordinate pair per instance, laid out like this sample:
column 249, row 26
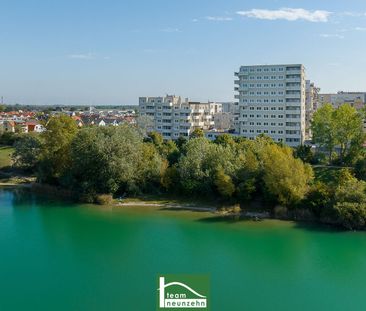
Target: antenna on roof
column 2, row 100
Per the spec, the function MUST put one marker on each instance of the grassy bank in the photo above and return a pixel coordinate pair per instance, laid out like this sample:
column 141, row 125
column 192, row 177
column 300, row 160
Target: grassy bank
column 5, row 156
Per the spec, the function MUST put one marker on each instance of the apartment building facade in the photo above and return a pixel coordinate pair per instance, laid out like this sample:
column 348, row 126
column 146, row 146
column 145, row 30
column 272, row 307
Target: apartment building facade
column 173, row 117
column 355, row 99
column 311, row 105
column 271, row 100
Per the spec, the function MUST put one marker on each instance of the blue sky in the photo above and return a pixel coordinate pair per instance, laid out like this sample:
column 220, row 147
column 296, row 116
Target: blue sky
column 112, row 52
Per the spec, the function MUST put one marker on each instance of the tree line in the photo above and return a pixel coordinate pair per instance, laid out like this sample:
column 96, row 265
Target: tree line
column 93, row 161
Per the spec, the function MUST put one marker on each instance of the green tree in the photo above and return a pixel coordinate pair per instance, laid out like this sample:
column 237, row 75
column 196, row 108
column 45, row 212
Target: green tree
column 324, row 128
column 360, row 169
column 304, row 153
column 348, row 129
column 225, row 140
column 156, row 138
column 224, row 183
column 105, row 159
column 197, row 133
column 27, row 152
column 351, row 215
column 285, row 177
column 55, row 155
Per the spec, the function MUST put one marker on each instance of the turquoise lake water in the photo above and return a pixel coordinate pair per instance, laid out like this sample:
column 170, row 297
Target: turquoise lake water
column 60, row 256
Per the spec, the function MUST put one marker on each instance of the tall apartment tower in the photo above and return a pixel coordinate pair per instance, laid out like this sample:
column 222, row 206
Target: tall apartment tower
column 174, row 117
column 272, row 102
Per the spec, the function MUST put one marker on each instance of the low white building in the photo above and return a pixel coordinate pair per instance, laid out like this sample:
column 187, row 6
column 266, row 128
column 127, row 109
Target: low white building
column 174, row 117
column 355, row 99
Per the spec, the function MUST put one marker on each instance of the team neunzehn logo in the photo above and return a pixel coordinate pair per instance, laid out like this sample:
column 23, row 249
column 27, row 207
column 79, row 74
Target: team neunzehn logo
column 183, row 292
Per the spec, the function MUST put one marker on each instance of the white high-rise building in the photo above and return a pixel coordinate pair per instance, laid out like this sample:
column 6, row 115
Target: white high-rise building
column 272, row 102
column 174, row 117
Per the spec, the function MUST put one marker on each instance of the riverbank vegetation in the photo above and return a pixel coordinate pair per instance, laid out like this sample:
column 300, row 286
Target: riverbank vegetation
column 96, row 162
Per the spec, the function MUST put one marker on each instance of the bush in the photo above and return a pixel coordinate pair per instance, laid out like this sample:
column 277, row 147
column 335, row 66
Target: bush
column 104, row 199
column 360, row 169
column 351, row 215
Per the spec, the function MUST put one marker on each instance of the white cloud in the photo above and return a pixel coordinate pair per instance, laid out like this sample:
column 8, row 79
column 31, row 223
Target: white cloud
column 352, row 14
column 288, row 14
column 170, row 30
column 219, row 18
column 327, row 35
column 87, row 56
column 195, row 20
column 360, row 28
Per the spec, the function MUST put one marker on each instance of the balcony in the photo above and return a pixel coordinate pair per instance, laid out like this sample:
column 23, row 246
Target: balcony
column 236, row 89
column 236, row 81
column 293, row 79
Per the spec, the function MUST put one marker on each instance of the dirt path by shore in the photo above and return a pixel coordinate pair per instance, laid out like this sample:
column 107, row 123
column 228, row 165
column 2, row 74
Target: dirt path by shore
column 168, row 205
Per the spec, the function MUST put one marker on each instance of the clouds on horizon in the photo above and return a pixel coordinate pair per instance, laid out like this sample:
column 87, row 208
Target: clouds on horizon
column 288, row 14
column 219, row 18
column 82, row 56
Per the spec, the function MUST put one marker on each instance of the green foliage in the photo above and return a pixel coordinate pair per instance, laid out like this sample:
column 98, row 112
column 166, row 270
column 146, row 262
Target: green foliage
column 350, row 189
column 98, row 162
column 104, row 199
column 348, row 130
column 197, row 133
column 156, row 138
column 225, row 140
column 323, row 128
column 360, row 169
column 5, row 156
column 105, row 159
column 351, row 215
column 285, row 177
column 8, row 138
column 224, row 184
column 304, row 153
column 342, row 127
column 55, row 154
column 27, row 151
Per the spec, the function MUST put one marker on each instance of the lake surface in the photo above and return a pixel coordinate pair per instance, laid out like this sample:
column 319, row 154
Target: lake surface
column 59, row 256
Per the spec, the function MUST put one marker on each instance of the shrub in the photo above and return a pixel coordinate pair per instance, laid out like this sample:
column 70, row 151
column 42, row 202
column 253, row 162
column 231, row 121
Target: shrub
column 104, row 199
column 351, row 215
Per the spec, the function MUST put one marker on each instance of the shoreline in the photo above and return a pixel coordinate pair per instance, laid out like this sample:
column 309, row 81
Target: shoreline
column 170, row 203
column 259, row 215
